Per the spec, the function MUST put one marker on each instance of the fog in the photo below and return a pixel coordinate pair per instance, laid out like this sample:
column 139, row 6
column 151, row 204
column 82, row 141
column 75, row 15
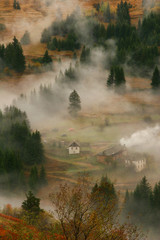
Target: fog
column 91, row 87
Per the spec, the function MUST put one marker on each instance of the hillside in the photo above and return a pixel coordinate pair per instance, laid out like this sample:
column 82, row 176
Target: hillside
column 35, row 15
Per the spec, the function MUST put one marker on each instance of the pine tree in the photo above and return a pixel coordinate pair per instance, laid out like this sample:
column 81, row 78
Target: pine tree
column 19, row 65
column 74, row 104
column 143, row 191
column 15, row 4
column 123, row 16
column 105, row 191
column 14, row 57
column 156, row 79
column 107, row 14
column 111, row 80
column 25, row 40
column 156, row 197
column 18, row 6
column 31, row 204
column 42, row 177
column 70, row 73
column 46, row 58
column 85, row 55
column 119, row 77
column 123, row 80
column 46, row 36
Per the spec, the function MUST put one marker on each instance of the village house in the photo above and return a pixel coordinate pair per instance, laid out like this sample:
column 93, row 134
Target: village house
column 74, row 148
column 136, row 160
column 114, row 153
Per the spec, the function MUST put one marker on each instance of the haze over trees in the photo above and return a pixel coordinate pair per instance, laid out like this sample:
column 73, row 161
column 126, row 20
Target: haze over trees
column 135, row 46
column 25, row 40
column 105, row 191
column 85, row 55
column 74, row 104
column 37, row 180
column 143, row 205
column 116, row 77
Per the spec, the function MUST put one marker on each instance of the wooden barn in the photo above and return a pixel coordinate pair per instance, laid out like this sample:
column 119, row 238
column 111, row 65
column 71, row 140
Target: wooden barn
column 114, row 153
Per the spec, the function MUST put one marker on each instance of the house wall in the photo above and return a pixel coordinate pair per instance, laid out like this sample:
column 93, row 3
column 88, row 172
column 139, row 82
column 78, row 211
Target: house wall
column 74, row 150
column 139, row 165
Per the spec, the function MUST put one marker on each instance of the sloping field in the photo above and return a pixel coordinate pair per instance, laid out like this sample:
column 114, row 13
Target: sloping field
column 136, row 11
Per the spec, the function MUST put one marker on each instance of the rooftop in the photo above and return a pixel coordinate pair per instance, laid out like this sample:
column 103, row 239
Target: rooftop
column 112, row 151
column 74, row 144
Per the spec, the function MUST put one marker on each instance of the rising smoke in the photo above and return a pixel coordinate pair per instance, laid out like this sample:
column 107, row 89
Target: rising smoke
column 144, row 141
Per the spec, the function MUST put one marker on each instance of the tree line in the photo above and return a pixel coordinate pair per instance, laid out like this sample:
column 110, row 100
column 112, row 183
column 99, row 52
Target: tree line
column 143, row 204
column 70, row 43
column 19, row 147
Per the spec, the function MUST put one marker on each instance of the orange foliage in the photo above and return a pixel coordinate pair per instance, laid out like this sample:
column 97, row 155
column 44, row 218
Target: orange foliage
column 59, row 237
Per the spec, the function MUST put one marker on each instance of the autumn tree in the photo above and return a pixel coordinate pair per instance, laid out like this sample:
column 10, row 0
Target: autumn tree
column 81, row 218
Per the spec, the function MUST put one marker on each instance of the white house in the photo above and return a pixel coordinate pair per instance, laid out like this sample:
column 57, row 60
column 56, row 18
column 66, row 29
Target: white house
column 136, row 160
column 74, row 148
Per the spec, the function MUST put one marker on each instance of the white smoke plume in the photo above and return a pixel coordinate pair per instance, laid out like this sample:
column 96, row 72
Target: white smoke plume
column 147, row 141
